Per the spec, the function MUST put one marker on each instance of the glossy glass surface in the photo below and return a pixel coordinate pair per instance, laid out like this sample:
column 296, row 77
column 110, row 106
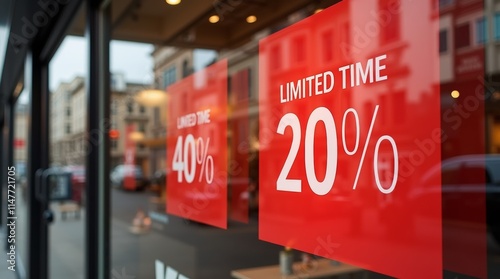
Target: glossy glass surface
column 361, row 140
column 350, row 128
column 196, row 146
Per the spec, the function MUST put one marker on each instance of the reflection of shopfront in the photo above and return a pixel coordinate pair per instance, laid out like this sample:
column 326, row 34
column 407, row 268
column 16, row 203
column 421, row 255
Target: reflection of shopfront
column 339, row 223
column 464, row 97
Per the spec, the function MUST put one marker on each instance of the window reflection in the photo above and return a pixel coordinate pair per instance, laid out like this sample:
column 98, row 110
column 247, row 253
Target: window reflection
column 467, row 177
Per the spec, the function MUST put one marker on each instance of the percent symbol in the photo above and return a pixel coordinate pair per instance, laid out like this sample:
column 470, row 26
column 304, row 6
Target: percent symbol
column 376, row 152
column 188, row 153
column 204, row 160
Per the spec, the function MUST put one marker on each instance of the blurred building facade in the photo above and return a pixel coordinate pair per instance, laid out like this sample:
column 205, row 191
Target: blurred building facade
column 69, row 141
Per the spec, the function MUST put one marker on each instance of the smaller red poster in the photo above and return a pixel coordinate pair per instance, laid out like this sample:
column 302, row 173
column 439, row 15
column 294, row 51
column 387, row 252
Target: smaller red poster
column 197, row 146
column 129, row 160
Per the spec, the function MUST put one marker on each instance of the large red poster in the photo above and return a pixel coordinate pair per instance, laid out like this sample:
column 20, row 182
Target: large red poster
column 196, row 146
column 350, row 137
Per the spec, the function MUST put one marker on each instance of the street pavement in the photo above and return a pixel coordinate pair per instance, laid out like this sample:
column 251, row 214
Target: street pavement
column 193, row 249
column 197, row 251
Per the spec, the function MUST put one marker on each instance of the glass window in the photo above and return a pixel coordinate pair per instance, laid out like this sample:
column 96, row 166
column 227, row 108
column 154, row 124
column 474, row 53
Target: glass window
column 497, row 26
column 481, row 31
column 130, row 106
column 389, row 32
column 462, row 35
column 446, row 3
column 169, row 76
column 310, row 134
column 114, row 109
column 185, row 69
column 156, row 112
column 443, row 41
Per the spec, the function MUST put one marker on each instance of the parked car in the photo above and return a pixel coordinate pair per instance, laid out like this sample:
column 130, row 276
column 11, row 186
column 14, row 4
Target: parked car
column 469, row 183
column 118, row 178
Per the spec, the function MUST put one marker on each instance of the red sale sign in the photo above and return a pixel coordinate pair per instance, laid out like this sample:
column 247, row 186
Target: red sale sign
column 350, row 137
column 196, row 146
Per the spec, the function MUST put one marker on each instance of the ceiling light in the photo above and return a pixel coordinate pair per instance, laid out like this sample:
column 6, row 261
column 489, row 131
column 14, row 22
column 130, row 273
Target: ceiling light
column 455, row 94
column 214, row 19
column 152, row 98
column 251, row 19
column 173, row 2
column 318, row 10
column 136, row 136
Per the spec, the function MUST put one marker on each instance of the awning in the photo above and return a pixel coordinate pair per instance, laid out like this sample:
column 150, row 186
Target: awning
column 148, row 21
column 187, row 24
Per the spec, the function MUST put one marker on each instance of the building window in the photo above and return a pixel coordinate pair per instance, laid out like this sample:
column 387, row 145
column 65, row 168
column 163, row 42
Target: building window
column 114, row 144
column 169, row 76
column 142, row 128
column 445, row 3
column 497, row 26
column 327, row 39
column 142, row 109
column 462, row 36
column 130, row 106
column 68, row 111
column 156, row 116
column 443, row 41
column 185, row 68
column 68, row 129
column 390, row 33
column 299, row 49
column 275, row 59
column 113, row 108
column 481, row 34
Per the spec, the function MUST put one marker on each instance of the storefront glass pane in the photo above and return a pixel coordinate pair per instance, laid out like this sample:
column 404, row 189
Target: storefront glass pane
column 68, row 147
column 319, row 138
column 21, row 142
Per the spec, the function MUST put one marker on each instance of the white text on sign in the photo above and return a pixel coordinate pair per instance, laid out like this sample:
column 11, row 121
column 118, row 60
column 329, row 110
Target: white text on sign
column 353, row 75
column 193, row 119
column 360, row 74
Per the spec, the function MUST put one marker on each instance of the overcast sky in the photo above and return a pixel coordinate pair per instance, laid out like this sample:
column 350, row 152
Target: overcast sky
column 132, row 59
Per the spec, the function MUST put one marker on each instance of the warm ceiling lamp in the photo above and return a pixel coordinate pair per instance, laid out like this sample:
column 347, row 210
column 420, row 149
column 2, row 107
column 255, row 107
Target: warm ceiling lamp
column 251, row 19
column 318, row 10
column 173, row 2
column 214, row 19
column 151, row 98
column 136, row 136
